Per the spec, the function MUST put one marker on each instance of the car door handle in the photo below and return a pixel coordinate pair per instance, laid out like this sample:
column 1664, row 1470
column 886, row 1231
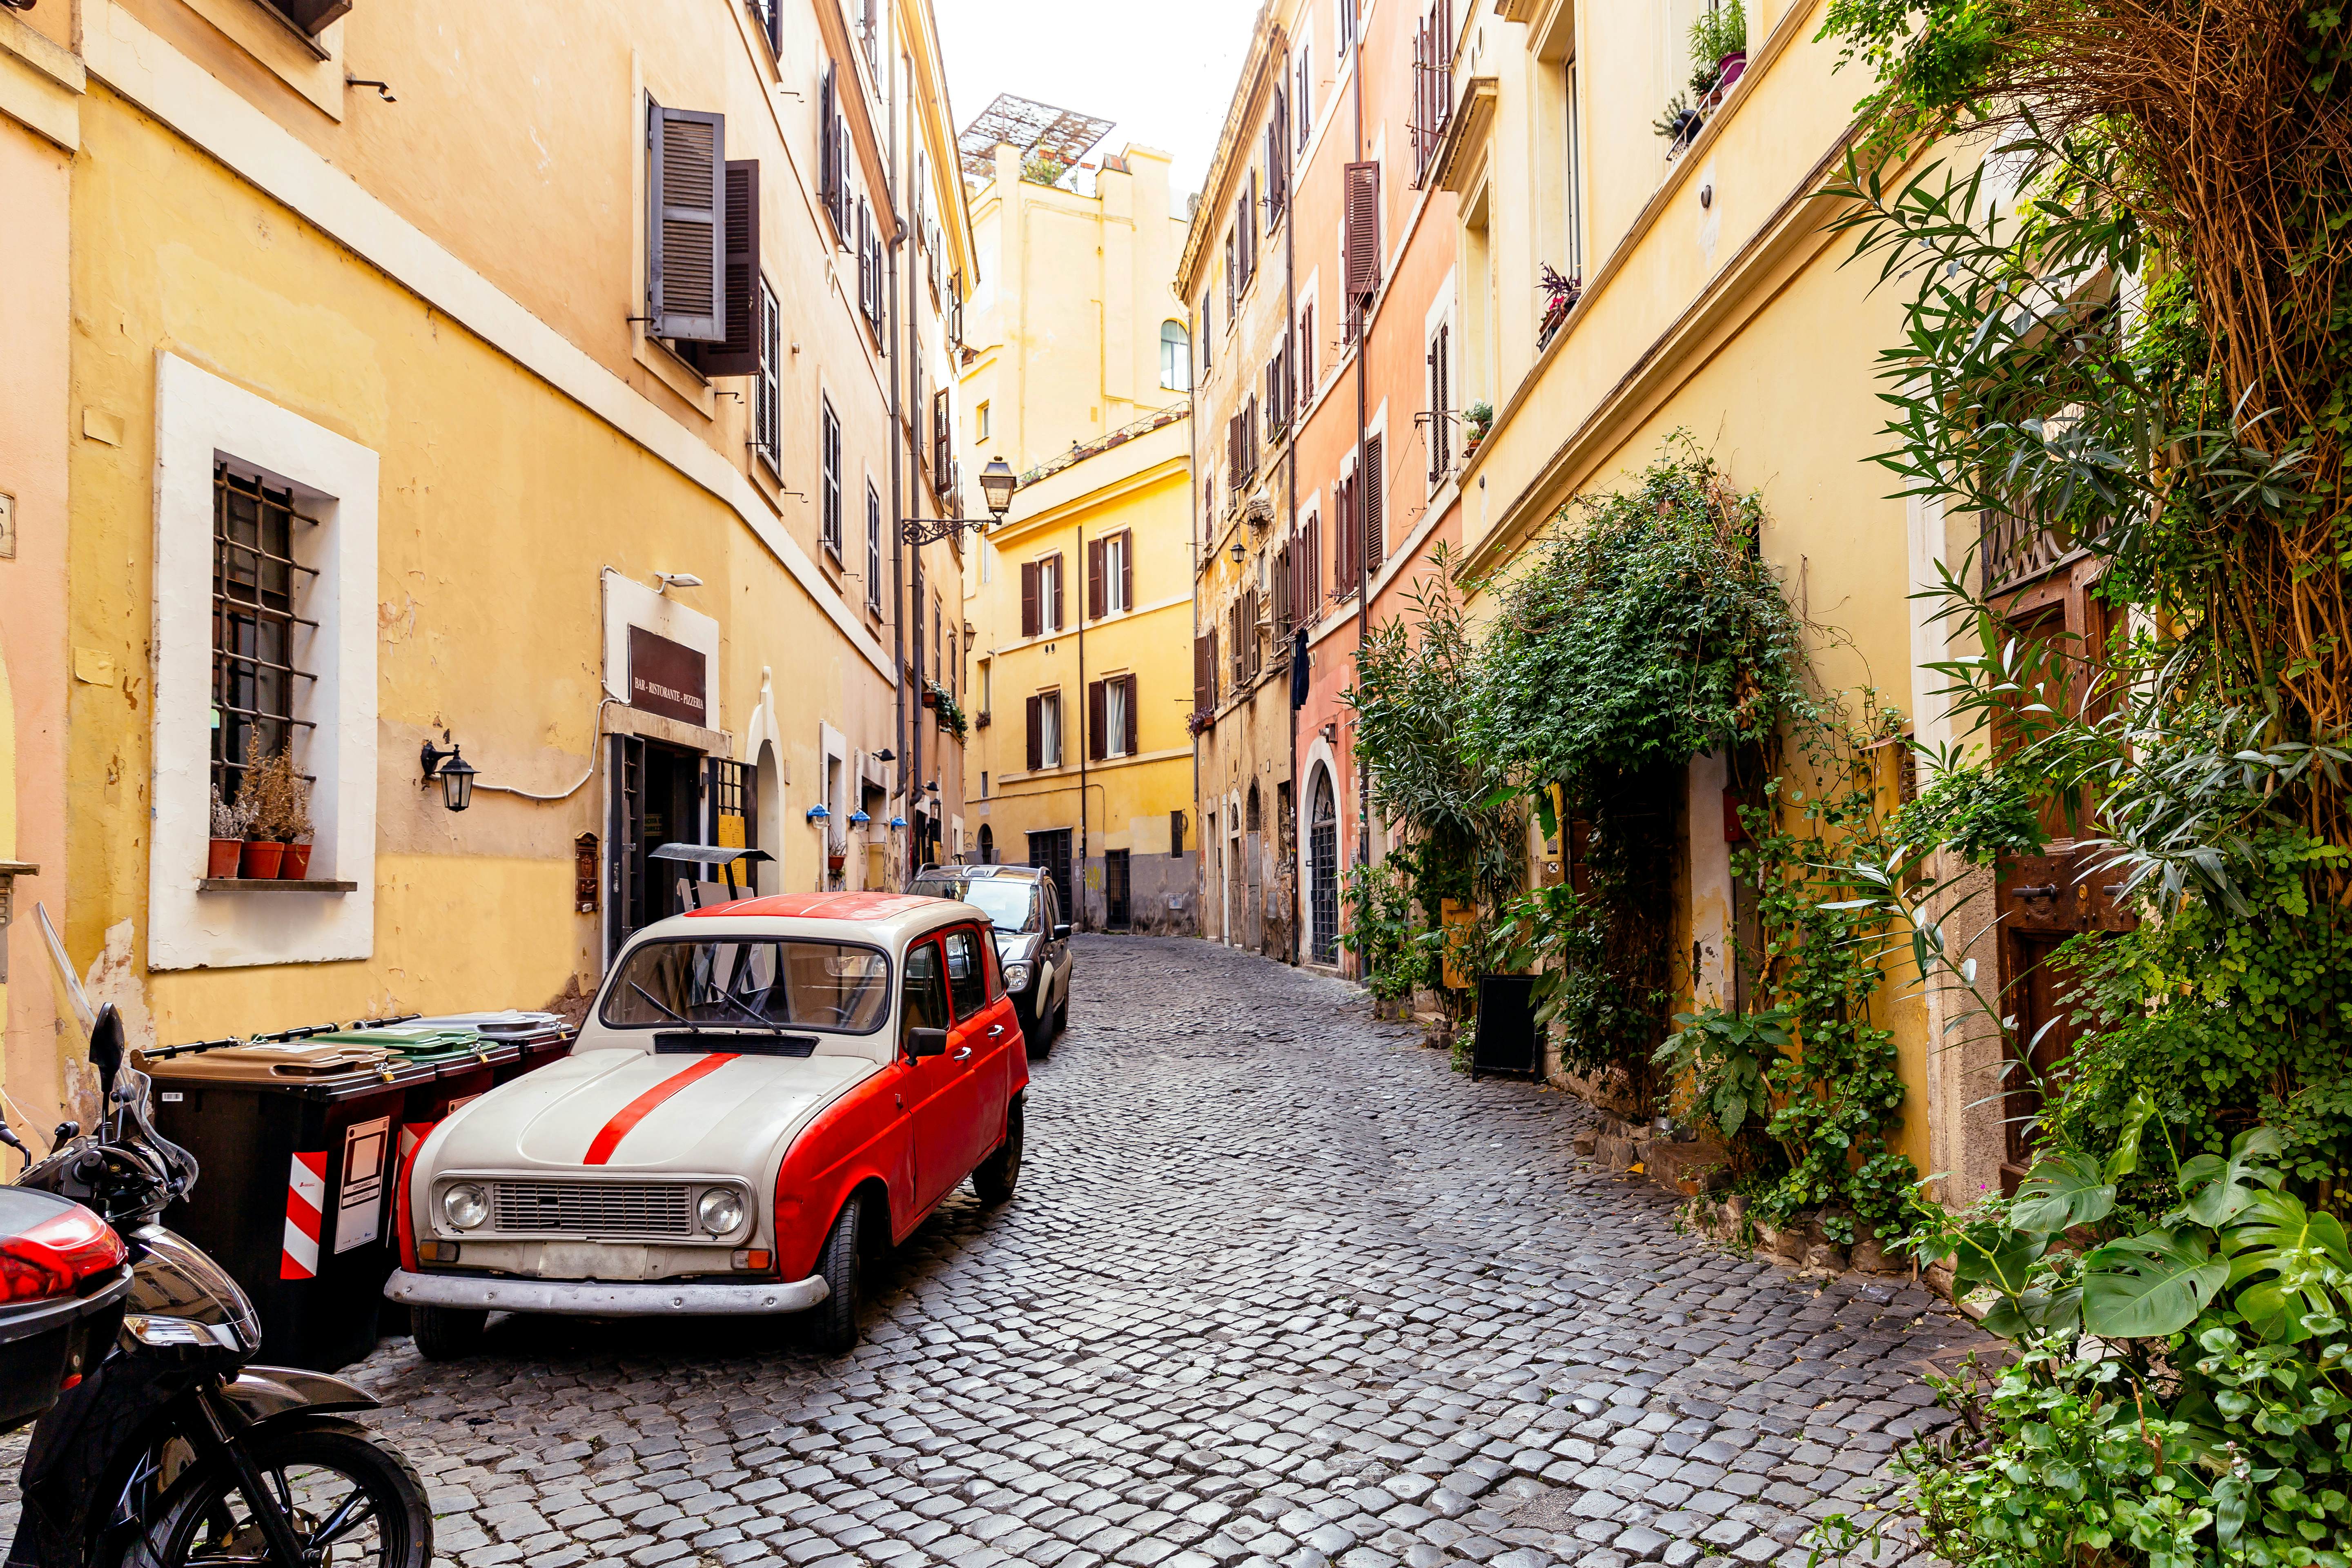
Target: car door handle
column 994, row 1030
column 964, row 1055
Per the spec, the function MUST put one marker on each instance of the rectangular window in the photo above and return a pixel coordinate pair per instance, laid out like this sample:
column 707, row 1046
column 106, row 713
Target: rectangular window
column 873, row 549
column 1045, row 730
column 980, row 422
column 1441, row 426
column 767, row 414
column 258, row 535
column 1119, row 735
column 1302, row 95
column 1118, row 579
column 1575, row 183
column 942, row 437
column 1176, row 833
column 829, row 459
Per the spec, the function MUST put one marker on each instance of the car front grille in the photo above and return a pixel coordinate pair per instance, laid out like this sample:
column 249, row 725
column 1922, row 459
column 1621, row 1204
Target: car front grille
column 593, row 1208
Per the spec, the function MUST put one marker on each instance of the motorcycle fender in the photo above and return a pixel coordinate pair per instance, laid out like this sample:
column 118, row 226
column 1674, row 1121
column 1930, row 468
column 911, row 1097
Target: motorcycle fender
column 266, row 1393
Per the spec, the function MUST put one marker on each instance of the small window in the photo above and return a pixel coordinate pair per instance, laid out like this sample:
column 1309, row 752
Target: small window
column 873, row 549
column 1175, row 357
column 980, row 419
column 967, row 973
column 767, row 415
column 259, row 539
column 829, row 443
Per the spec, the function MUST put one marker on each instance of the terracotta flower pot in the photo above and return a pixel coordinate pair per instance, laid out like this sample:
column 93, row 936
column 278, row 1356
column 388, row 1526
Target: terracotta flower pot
column 835, row 862
column 260, row 860
column 295, row 865
column 222, row 860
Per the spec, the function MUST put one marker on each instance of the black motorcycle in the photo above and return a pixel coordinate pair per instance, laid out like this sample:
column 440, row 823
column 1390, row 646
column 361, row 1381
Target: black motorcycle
column 172, row 1452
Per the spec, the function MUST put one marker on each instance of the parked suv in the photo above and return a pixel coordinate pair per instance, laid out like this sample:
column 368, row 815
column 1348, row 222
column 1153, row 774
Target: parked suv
column 1033, row 940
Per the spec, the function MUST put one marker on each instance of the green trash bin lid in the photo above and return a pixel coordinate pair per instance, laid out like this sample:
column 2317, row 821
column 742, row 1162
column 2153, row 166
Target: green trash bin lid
column 416, row 1043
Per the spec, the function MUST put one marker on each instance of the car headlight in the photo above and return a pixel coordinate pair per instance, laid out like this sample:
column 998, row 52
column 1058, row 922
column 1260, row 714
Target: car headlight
column 465, row 1206
column 720, row 1210
column 1016, row 977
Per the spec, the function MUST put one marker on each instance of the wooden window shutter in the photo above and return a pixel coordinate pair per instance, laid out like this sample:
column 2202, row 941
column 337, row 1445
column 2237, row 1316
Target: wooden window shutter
column 1250, row 659
column 1444, row 415
column 1216, row 669
column 1132, row 742
column 686, row 188
column 1054, row 573
column 771, row 409
column 1127, row 568
column 313, row 16
column 1370, row 506
column 1029, row 619
column 1362, row 184
column 1094, row 579
column 1311, row 569
column 1204, row 667
column 1094, row 720
column 828, row 178
column 738, row 354
column 1036, row 733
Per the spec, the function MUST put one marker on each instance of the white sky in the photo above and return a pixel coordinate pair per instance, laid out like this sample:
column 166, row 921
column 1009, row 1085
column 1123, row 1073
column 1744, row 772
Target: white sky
column 1163, row 72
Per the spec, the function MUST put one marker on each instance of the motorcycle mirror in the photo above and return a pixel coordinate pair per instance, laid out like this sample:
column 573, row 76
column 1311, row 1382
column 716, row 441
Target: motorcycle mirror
column 106, row 1046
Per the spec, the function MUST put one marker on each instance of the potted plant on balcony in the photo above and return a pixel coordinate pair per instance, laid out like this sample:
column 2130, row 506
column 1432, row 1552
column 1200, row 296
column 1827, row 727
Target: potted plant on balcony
column 836, row 853
column 264, row 798
column 1560, row 295
column 1718, row 52
column 1480, row 418
column 228, row 837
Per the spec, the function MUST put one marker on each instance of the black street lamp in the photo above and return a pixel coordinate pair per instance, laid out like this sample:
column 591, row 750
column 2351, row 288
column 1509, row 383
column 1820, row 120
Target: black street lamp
column 455, row 774
column 997, row 482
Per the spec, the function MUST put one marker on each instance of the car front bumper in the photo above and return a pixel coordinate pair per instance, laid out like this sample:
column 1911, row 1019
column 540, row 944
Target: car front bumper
column 589, row 1299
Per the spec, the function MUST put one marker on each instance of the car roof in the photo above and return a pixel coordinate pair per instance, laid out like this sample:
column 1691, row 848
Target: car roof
column 871, row 917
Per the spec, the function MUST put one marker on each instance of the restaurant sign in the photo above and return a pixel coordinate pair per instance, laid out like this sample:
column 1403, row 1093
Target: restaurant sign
column 667, row 678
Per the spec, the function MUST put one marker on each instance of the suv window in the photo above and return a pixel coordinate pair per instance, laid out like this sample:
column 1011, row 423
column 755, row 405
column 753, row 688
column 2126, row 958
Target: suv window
column 967, row 971
column 1009, row 902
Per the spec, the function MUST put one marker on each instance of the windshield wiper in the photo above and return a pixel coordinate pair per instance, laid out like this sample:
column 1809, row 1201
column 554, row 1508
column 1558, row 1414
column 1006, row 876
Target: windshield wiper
column 674, row 1015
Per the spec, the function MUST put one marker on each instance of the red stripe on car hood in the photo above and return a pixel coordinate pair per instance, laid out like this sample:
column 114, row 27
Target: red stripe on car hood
column 636, row 1111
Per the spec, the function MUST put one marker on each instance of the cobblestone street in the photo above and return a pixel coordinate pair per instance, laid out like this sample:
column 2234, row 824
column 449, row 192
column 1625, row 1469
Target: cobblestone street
column 1276, row 1288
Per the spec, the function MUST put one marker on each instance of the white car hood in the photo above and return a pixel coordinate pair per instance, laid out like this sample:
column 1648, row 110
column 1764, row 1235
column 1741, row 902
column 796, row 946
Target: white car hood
column 734, row 1119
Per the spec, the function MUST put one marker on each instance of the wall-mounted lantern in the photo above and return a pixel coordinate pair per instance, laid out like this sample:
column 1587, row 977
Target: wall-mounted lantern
column 858, row 819
column 898, row 822
column 455, row 774
column 820, row 811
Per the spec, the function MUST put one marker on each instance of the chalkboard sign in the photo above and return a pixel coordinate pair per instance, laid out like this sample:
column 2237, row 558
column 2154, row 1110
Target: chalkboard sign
column 1508, row 1035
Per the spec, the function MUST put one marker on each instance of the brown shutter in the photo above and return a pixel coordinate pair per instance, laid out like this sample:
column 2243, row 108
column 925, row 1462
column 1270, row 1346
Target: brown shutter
column 1216, row 669
column 685, row 186
column 1036, row 733
column 828, row 168
column 1029, row 621
column 1054, row 616
column 1094, row 579
column 1204, row 673
column 1249, row 634
column 1094, row 720
column 1362, row 234
column 1126, row 568
column 313, row 16
column 1134, row 736
column 1283, row 596
column 1311, row 570
column 739, row 354
column 1375, row 540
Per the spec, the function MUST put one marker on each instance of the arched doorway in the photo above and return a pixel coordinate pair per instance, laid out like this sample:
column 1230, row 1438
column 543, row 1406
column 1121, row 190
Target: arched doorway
column 987, row 844
column 768, row 815
column 1323, row 870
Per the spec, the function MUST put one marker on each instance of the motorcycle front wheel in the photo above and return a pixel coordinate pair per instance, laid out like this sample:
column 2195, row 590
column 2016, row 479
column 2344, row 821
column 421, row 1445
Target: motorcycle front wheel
column 353, row 1504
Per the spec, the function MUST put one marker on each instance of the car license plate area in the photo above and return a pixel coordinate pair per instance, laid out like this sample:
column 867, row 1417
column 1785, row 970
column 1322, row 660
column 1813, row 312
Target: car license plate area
column 588, row 1260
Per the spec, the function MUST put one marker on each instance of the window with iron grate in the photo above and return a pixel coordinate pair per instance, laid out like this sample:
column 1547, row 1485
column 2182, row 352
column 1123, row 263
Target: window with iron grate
column 258, row 636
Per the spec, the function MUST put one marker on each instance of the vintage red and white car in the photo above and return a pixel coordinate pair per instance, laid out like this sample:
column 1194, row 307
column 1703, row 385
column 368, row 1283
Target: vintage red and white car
column 766, row 1094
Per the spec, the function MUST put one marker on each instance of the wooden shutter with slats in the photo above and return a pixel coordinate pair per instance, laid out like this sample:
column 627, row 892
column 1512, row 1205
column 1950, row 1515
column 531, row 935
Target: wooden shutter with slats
column 1362, row 234
column 1204, row 673
column 1036, row 733
column 1094, row 605
column 739, row 354
column 1131, row 741
column 1029, row 623
column 1370, row 507
column 1127, row 568
column 686, row 185
column 828, row 177
column 1094, row 720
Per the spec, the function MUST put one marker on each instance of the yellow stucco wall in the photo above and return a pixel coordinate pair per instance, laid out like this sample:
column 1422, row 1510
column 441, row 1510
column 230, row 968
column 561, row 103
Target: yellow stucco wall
column 501, row 502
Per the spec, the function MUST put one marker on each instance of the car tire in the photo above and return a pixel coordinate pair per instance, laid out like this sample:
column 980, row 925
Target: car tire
column 994, row 1178
column 831, row 1324
column 1033, row 1034
column 1062, row 1013
column 447, row 1334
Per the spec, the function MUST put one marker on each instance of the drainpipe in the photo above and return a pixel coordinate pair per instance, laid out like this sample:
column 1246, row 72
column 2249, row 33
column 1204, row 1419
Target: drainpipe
column 1080, row 890
column 910, row 762
column 1290, row 466
column 1363, row 563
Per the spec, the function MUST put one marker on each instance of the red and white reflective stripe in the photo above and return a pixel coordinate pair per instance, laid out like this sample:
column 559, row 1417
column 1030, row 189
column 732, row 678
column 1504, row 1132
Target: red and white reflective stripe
column 600, row 1148
column 306, row 1202
column 412, row 1133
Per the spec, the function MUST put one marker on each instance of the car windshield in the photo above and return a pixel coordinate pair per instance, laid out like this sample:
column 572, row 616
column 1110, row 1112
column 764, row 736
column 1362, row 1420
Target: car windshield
column 1011, row 905
column 763, row 985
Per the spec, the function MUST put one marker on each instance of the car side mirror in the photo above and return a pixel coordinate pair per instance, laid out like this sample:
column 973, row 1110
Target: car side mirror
column 106, row 1047
column 927, row 1043
column 1062, row 931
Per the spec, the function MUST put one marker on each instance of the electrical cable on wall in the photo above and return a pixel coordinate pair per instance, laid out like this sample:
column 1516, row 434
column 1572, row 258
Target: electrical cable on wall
column 592, row 744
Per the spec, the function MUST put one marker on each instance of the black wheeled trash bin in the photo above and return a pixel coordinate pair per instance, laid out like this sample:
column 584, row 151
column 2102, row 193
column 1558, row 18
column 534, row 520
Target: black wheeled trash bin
column 294, row 1197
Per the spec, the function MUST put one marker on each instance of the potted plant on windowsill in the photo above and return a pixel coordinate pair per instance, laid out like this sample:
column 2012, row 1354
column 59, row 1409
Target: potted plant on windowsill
column 1560, row 295
column 836, row 853
column 228, row 838
column 263, row 799
column 294, row 864
column 1480, row 418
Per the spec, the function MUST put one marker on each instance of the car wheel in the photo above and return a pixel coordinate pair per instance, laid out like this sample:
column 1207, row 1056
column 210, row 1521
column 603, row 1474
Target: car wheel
column 832, row 1323
column 1033, row 1033
column 447, row 1334
column 994, row 1179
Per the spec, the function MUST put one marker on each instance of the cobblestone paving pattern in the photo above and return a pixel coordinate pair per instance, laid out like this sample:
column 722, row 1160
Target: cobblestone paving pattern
column 1276, row 1288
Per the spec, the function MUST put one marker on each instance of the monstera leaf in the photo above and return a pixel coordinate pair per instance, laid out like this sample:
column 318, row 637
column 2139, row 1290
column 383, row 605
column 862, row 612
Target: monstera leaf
column 2150, row 1285
column 2039, row 1309
column 2062, row 1190
column 1995, row 1255
column 2136, row 1116
column 2220, row 1190
column 2282, row 1248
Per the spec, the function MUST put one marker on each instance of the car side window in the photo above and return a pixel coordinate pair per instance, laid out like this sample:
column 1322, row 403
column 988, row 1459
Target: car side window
column 967, row 971
column 925, row 991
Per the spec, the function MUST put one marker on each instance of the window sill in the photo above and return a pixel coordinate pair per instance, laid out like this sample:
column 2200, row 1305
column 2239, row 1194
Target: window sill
column 271, row 885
